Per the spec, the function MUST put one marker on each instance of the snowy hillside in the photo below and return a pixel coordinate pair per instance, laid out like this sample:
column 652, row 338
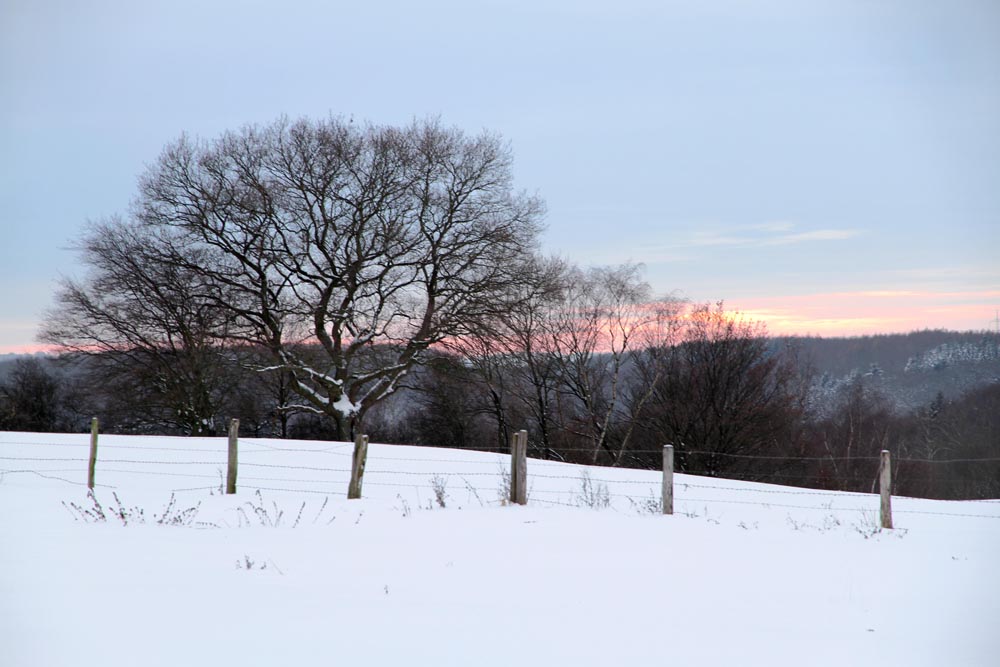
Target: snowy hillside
column 984, row 351
column 587, row 574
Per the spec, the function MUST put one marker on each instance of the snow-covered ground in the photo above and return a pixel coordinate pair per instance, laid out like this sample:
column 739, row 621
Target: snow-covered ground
column 742, row 574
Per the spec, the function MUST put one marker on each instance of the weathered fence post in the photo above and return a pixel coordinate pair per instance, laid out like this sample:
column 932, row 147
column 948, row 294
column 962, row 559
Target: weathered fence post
column 358, row 467
column 234, row 433
column 885, row 490
column 519, row 468
column 668, row 479
column 92, row 465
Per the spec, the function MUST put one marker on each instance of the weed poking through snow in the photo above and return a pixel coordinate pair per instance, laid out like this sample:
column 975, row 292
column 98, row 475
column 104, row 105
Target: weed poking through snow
column 98, row 513
column 594, row 496
column 266, row 517
column 439, row 485
column 247, row 563
column 648, row 505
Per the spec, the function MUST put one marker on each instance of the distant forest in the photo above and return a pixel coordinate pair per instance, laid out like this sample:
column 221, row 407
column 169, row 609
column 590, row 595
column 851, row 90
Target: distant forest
column 824, row 408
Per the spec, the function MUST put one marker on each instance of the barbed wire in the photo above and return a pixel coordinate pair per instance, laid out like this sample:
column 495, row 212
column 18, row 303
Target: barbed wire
column 592, row 479
column 35, row 472
column 972, row 516
column 52, row 444
column 377, row 457
column 331, row 450
column 31, row 458
column 432, row 474
column 534, row 492
column 326, row 448
column 710, row 501
column 157, row 473
column 580, row 469
column 60, row 479
column 221, row 464
column 831, row 494
column 279, row 466
column 268, row 488
column 296, row 481
column 556, row 502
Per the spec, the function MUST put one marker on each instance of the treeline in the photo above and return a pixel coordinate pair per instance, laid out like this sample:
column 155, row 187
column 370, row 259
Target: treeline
column 732, row 409
column 892, row 352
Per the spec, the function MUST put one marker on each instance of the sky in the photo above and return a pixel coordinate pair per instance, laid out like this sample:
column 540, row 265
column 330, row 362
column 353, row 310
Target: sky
column 829, row 168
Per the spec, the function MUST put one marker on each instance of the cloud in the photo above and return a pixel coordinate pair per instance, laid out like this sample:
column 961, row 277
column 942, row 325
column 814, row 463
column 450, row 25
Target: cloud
column 764, row 234
column 818, row 235
column 776, row 226
column 871, row 311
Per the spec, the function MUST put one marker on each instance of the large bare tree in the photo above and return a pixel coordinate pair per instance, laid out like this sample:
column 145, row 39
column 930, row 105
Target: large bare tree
column 368, row 243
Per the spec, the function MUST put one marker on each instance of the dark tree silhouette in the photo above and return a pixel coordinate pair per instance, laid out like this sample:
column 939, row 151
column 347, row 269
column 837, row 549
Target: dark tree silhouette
column 369, row 244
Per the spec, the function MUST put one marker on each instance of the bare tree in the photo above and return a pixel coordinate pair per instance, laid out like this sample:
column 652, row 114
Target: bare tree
column 513, row 355
column 263, row 399
column 658, row 336
column 31, row 398
column 450, row 409
column 150, row 335
column 370, row 244
column 593, row 335
column 724, row 394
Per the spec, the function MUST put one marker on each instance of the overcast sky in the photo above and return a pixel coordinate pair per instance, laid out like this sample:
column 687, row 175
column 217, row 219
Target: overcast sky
column 830, row 167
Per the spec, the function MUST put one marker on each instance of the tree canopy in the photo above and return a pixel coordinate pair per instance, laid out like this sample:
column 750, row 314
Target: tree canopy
column 369, row 242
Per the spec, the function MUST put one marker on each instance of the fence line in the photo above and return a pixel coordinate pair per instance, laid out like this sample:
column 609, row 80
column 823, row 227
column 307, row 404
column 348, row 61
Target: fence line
column 491, row 464
column 533, row 493
column 581, row 470
column 447, row 474
column 554, row 462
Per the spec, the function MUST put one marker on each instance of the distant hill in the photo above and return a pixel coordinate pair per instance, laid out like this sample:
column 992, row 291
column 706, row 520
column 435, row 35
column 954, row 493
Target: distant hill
column 910, row 369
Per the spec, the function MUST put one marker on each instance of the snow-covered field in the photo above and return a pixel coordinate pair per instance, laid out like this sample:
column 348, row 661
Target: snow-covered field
column 742, row 574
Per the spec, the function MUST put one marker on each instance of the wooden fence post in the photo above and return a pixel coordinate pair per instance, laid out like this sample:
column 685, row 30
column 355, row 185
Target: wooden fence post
column 885, row 490
column 234, row 433
column 92, row 465
column 519, row 468
column 668, row 479
column 358, row 467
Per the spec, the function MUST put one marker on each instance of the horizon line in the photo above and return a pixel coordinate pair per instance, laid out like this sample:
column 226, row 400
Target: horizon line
column 55, row 351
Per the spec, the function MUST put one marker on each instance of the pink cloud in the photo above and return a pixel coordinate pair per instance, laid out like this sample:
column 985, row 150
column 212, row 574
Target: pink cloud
column 871, row 312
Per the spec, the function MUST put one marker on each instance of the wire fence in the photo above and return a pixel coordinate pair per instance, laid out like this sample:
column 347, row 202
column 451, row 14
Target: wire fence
column 476, row 473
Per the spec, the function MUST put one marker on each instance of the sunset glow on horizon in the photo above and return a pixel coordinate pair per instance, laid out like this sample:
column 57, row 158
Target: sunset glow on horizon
column 834, row 314
column 871, row 312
